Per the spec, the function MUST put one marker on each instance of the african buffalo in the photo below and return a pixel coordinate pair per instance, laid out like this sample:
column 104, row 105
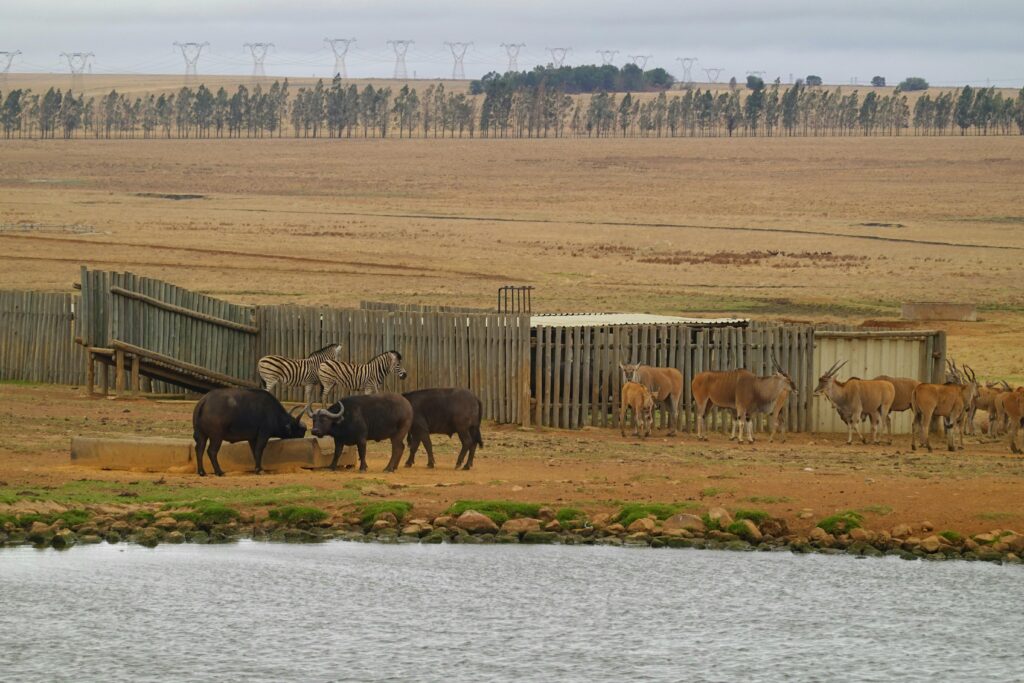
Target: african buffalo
column 365, row 417
column 233, row 415
column 445, row 411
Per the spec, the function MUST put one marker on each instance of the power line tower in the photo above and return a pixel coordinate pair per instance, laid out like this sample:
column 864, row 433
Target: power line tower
column 340, row 46
column 512, row 50
column 607, row 56
column 5, row 65
column 687, row 64
column 78, row 62
column 400, row 47
column 458, row 57
column 558, row 55
column 259, row 53
column 190, row 53
column 713, row 73
column 640, row 60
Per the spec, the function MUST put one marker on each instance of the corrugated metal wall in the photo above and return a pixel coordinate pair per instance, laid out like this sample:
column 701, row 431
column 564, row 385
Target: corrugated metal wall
column 916, row 354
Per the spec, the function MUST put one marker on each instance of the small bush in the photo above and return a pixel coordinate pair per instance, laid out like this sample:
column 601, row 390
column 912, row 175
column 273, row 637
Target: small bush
column 913, row 83
column 297, row 514
column 569, row 515
column 500, row 511
column 711, row 524
column 758, row 517
column 369, row 511
column 842, row 522
column 207, row 513
column 634, row 511
column 951, row 536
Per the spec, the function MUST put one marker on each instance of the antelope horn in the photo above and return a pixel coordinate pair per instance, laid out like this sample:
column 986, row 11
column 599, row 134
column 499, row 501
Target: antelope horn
column 775, row 362
column 1005, row 385
column 970, row 373
column 835, row 368
column 828, row 373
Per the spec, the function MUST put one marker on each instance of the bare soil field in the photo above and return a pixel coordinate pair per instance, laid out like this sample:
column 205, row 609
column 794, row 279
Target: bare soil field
column 836, row 229
column 595, row 470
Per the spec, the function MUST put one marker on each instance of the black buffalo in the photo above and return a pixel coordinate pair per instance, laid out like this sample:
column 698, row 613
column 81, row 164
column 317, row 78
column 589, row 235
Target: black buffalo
column 233, row 415
column 445, row 411
column 357, row 419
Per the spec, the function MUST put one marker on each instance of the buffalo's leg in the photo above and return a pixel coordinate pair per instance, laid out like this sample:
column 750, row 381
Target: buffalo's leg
column 414, row 443
column 257, row 445
column 361, row 447
column 338, row 448
column 200, row 450
column 467, row 442
column 397, row 446
column 428, row 445
column 214, row 449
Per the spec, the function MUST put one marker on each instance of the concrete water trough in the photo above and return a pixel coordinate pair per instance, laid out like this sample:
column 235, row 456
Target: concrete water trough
column 179, row 455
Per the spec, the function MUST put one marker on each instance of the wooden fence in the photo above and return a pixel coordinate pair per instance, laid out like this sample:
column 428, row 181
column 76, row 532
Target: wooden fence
column 488, row 354
column 577, row 381
column 37, row 339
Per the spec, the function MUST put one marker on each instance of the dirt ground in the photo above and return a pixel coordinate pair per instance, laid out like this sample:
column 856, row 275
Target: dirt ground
column 978, row 489
column 837, row 229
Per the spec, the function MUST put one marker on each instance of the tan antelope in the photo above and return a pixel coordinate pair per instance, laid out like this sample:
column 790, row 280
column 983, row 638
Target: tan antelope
column 904, row 387
column 637, row 398
column 948, row 401
column 1013, row 407
column 855, row 398
column 665, row 385
column 986, row 400
column 998, row 415
column 744, row 393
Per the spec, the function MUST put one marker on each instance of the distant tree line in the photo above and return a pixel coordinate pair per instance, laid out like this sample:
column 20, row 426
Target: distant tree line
column 505, row 109
column 577, row 79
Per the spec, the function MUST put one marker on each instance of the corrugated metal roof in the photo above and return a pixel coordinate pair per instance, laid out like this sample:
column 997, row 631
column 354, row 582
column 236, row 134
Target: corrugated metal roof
column 599, row 319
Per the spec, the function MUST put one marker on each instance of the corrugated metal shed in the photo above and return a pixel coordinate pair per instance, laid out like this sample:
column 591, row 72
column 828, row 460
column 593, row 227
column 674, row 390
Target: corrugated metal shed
column 605, row 319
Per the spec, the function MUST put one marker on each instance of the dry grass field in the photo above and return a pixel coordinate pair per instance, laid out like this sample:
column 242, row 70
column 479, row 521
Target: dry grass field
column 837, row 229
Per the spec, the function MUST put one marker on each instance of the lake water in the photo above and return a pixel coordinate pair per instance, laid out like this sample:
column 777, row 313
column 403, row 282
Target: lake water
column 361, row 612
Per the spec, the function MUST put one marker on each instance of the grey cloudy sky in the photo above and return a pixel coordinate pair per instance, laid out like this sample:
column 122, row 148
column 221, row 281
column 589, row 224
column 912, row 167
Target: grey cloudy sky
column 946, row 41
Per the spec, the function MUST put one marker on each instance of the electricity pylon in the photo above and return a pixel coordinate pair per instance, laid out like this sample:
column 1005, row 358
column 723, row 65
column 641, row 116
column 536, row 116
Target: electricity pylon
column 640, row 60
column 259, row 53
column 340, row 46
column 458, row 57
column 5, row 65
column 400, row 47
column 687, row 64
column 190, row 53
column 78, row 62
column 607, row 56
column 558, row 55
column 713, row 73
column 512, row 50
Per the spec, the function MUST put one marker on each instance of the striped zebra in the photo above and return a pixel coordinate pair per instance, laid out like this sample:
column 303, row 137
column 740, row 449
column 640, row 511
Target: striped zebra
column 366, row 377
column 296, row 372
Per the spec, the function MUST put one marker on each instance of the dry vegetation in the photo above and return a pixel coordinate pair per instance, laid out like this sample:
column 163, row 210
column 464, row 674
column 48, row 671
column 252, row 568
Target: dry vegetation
column 813, row 229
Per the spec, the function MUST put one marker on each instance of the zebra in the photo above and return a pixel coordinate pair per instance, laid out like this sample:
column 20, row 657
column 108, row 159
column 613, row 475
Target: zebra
column 296, row 372
column 366, row 377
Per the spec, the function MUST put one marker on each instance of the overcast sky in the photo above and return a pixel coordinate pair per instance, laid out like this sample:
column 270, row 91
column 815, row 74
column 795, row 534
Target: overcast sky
column 945, row 41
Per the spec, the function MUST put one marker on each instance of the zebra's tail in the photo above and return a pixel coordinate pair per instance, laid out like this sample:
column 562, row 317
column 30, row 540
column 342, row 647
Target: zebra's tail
column 474, row 431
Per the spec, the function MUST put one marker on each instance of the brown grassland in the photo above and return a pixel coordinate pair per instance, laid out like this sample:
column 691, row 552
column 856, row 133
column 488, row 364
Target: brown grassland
column 840, row 229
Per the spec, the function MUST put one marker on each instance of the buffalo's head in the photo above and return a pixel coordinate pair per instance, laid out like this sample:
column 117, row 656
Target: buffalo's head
column 293, row 428
column 324, row 419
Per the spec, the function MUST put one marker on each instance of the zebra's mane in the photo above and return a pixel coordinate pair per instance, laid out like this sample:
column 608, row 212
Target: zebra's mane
column 326, row 348
column 385, row 353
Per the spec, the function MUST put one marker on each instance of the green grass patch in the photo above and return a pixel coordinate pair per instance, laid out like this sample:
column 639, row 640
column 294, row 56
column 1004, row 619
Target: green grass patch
column 842, row 522
column 758, row 517
column 738, row 528
column 634, row 511
column 69, row 517
column 711, row 524
column 298, row 514
column 951, row 536
column 207, row 513
column 875, row 510
column 369, row 511
column 142, row 516
column 500, row 511
column 566, row 515
column 95, row 492
column 768, row 500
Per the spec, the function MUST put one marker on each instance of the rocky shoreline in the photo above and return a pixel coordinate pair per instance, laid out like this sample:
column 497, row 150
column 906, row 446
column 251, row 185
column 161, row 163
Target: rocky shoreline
column 715, row 530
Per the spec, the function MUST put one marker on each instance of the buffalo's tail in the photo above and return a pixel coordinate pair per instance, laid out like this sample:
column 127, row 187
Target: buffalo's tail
column 474, row 431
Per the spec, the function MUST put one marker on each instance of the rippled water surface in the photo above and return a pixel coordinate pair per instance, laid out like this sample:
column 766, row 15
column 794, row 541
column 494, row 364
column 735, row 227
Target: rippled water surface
column 359, row 612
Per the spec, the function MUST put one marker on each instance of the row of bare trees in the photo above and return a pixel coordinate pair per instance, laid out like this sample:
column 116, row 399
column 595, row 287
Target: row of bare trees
column 336, row 109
